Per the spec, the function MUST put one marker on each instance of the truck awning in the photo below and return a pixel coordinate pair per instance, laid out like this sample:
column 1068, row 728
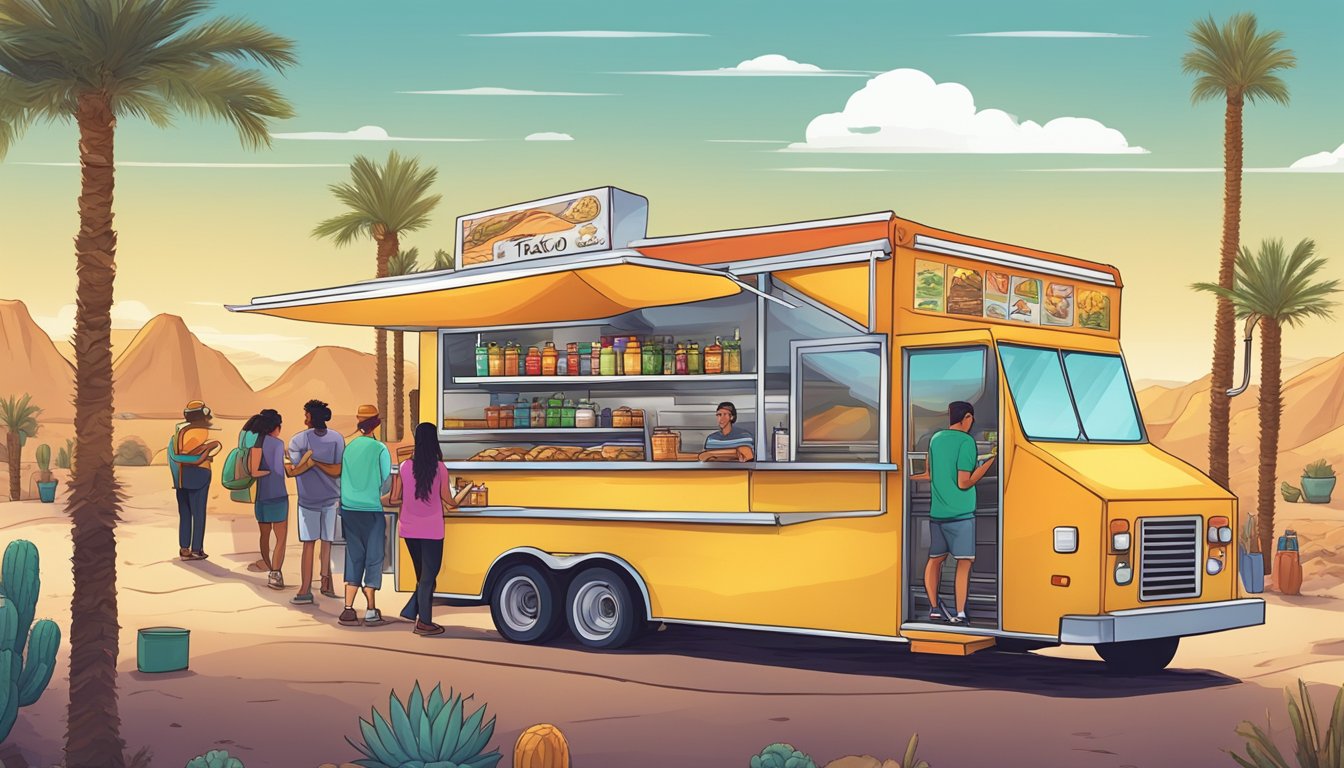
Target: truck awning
column 591, row 288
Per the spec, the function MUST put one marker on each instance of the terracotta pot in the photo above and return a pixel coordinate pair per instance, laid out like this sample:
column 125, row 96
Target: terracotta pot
column 1288, row 572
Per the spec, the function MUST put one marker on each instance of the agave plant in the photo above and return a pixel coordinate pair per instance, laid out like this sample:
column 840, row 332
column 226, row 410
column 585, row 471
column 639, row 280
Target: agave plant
column 426, row 733
column 1312, row 747
column 782, row 756
column 216, row 758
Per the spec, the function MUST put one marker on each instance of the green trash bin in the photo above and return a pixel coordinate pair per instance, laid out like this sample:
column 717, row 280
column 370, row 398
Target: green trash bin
column 162, row 649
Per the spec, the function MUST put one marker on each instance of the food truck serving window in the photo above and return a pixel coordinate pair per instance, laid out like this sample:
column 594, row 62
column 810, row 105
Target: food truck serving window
column 839, row 395
column 1095, row 388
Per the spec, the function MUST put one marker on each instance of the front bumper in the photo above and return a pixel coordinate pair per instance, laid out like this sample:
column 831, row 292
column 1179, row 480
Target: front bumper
column 1165, row 621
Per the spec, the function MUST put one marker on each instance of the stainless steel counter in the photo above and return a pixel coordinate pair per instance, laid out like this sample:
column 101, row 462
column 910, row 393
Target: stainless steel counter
column 608, row 466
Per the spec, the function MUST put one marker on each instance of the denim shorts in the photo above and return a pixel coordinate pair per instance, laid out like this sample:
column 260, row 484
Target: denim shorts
column 272, row 511
column 954, row 536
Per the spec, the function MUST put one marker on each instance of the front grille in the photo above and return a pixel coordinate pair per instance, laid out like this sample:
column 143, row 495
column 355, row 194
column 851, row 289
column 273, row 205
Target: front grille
column 1169, row 552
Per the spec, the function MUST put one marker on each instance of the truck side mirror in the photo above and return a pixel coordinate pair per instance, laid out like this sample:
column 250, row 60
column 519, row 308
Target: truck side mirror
column 1246, row 368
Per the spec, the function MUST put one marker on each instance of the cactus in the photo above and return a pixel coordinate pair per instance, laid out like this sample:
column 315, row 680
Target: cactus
column 781, row 756
column 44, row 457
column 427, row 731
column 23, row 677
column 541, row 746
column 63, row 459
column 215, row 758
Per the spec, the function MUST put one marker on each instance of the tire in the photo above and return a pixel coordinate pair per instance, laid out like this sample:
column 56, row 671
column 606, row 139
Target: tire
column 1138, row 657
column 525, row 604
column 601, row 609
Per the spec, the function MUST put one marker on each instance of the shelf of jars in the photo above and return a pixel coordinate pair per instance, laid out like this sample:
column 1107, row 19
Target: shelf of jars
column 568, row 381
column 610, row 360
column 524, row 435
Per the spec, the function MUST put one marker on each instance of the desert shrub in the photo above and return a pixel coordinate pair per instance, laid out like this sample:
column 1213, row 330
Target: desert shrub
column 781, row 756
column 215, row 758
column 427, row 731
column 132, row 452
column 1312, row 747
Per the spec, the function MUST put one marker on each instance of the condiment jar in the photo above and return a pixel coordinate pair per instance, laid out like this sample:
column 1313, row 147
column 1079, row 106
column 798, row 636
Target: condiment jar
column 607, row 366
column 606, row 419
column 553, row 408
column 482, row 360
column 494, row 359
column 568, row 415
column 506, row 416
column 532, row 365
column 572, row 358
column 652, row 359
column 585, row 416
column 669, row 359
column 511, row 359
column 522, row 414
column 492, row 416
column 549, row 356
column 596, row 366
column 632, row 357
column 618, row 345
column 538, row 419
column 679, row 360
column 714, row 357
column 694, row 365
column 732, row 353
column 585, row 360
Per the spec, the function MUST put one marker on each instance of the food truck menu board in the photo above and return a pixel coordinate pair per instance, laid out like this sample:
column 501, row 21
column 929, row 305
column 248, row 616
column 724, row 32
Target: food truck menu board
column 580, row 222
column 997, row 294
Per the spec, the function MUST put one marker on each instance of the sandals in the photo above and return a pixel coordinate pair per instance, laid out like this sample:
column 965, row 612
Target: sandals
column 328, row 589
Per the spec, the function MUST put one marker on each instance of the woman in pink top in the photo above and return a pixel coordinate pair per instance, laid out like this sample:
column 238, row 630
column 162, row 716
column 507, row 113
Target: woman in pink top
column 421, row 522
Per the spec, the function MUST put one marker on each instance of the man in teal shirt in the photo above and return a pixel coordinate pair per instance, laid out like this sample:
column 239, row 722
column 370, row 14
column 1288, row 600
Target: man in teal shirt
column 952, row 475
column 365, row 467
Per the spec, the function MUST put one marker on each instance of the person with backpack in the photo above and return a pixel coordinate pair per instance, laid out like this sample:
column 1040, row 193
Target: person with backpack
column 365, row 468
column 319, row 495
column 189, row 453
column 268, row 464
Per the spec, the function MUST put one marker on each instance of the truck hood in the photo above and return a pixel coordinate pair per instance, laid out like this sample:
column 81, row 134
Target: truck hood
column 1129, row 472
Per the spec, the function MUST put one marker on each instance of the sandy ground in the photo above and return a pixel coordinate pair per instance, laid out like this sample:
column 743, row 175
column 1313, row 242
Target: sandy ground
column 283, row 686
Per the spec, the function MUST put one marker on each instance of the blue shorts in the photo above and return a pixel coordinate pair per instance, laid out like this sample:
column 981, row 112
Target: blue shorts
column 954, row 536
column 273, row 511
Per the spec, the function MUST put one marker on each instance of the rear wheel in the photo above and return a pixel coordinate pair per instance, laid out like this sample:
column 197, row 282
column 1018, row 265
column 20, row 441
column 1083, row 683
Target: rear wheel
column 1138, row 657
column 601, row 609
column 526, row 604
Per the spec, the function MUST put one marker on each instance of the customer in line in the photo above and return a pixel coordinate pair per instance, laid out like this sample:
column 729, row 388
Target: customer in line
column 365, row 467
column 269, row 465
column 189, row 456
column 319, row 488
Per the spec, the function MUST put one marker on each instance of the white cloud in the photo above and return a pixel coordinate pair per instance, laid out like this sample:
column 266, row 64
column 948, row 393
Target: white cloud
column 824, row 169
column 134, row 164
column 1047, row 33
column 1322, row 162
column 769, row 65
column 591, row 33
column 906, row 111
column 747, row 141
column 491, row 91
column 548, row 136
column 126, row 315
column 363, row 133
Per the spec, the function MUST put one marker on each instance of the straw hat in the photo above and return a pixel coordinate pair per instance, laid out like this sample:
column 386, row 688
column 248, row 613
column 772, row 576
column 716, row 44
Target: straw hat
column 367, row 413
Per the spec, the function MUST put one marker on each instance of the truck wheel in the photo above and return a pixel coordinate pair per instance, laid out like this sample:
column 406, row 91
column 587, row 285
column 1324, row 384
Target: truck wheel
column 602, row 612
column 525, row 605
column 1138, row 657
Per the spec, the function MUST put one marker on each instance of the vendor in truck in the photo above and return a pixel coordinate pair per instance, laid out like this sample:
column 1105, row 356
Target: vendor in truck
column 728, row 442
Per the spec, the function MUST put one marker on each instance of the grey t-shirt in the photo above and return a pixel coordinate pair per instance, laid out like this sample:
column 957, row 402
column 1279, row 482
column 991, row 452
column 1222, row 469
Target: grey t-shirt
column 271, row 487
column 317, row 488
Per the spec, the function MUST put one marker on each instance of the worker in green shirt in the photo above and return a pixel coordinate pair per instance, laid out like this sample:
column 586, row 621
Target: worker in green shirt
column 952, row 474
column 365, row 469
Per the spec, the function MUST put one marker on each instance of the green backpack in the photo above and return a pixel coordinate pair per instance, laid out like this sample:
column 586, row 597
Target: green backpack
column 236, row 477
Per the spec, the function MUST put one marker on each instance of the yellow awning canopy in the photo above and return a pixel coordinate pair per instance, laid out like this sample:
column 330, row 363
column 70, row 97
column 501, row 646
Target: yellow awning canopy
column 591, row 288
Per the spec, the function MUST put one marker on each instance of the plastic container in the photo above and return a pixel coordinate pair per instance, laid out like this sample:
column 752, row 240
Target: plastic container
column 607, row 366
column 572, row 358
column 732, row 353
column 482, row 360
column 522, row 415
column 652, row 359
column 538, row 417
column 714, row 357
column 568, row 415
column 532, row 365
column 595, row 366
column 680, row 367
column 511, row 359
column 585, row 416
column 162, row 649
column 618, row 347
column 494, row 359
column 549, row 356
column 633, row 357
column 666, row 444
column 694, row 363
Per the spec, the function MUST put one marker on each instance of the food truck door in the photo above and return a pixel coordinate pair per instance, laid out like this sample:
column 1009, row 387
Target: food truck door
column 934, row 378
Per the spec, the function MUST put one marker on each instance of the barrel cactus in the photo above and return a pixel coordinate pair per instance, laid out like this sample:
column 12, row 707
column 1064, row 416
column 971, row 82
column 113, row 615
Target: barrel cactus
column 215, row 758
column 431, row 731
column 23, row 677
column 541, row 746
column 781, row 756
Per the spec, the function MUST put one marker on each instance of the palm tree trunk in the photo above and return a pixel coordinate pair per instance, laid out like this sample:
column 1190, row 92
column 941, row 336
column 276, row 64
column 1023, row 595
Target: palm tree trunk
column 93, row 725
column 398, row 385
column 13, row 452
column 1271, row 408
column 1224, row 333
column 387, row 249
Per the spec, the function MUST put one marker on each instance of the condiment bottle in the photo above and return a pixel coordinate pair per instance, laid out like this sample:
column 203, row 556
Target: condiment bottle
column 694, row 365
column 652, row 358
column 632, row 357
column 606, row 420
column 549, row 355
column 618, row 344
column 538, row 420
column 669, row 358
column 572, row 358
column 511, row 359
column 714, row 357
column 506, row 416
column 585, row 416
column 585, row 359
column 494, row 359
column 482, row 360
column 596, row 367
column 553, row 408
column 532, row 365
column 680, row 360
column 568, row 414
column 522, row 414
column 607, row 366
column 732, row 353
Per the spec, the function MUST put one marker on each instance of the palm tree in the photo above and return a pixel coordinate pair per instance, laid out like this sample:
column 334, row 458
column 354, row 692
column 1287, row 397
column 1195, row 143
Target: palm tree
column 19, row 418
column 1272, row 289
column 97, row 61
column 404, row 263
column 443, row 260
column 1234, row 63
column 384, row 202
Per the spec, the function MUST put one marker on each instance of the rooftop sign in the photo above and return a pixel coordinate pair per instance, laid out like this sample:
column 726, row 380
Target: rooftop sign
column 580, row 222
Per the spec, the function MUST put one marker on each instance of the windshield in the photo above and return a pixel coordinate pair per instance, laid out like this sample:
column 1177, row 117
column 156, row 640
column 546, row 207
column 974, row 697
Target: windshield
column 1071, row 396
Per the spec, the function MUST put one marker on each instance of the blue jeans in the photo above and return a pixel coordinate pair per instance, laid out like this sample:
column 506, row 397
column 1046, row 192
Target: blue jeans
column 365, row 539
column 191, row 518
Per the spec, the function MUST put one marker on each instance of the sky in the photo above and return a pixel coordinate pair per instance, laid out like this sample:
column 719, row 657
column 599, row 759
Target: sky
column 725, row 115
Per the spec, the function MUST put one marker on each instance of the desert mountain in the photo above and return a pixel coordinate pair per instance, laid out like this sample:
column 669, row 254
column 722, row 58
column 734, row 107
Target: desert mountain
column 166, row 366
column 121, row 338
column 341, row 377
column 29, row 363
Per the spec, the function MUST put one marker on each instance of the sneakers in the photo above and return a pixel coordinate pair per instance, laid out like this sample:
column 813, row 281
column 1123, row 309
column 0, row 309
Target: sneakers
column 306, row 599
column 425, row 630
column 184, row 553
column 374, row 618
column 348, row 617
column 275, row 581
column 957, row 620
column 197, row 554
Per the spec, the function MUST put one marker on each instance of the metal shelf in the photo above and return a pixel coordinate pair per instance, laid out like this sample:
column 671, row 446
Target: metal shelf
column 521, row 434
column 567, row 381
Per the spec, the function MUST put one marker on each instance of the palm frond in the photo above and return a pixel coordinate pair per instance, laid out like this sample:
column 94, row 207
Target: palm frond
column 404, row 263
column 394, row 195
column 226, row 92
column 1279, row 286
column 345, row 228
column 227, row 38
column 443, row 260
column 1236, row 60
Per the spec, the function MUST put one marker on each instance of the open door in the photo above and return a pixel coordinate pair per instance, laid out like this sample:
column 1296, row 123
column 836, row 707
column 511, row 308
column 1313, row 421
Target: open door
column 934, row 378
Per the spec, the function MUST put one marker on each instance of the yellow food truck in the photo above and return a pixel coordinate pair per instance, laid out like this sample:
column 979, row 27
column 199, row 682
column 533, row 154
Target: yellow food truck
column 576, row 369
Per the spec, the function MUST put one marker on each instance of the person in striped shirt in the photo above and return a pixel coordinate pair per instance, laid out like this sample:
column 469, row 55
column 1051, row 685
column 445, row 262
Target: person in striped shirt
column 728, row 443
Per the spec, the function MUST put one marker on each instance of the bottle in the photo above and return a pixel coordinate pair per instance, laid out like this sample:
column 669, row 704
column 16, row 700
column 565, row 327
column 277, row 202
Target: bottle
column 538, row 419
column 532, row 365
column 549, row 355
column 714, row 357
column 585, row 415
column 607, row 366
column 494, row 359
column 595, row 367
column 585, row 360
column 680, row 360
column 553, row 414
column 561, row 364
column 618, row 344
column 572, row 358
column 632, row 357
column 652, row 358
column 511, row 359
column 522, row 414
column 482, row 360
column 694, row 364
column 606, row 420
column 669, row 358
column 568, row 415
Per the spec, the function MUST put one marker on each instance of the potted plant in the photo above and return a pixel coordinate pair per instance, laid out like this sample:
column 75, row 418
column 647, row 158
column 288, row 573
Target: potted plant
column 1318, row 481
column 46, row 484
column 1250, row 561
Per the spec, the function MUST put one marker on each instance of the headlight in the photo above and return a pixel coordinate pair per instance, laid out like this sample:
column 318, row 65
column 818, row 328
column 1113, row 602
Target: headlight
column 1123, row 574
column 1225, row 535
column 1214, row 566
column 1120, row 542
column 1219, row 532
